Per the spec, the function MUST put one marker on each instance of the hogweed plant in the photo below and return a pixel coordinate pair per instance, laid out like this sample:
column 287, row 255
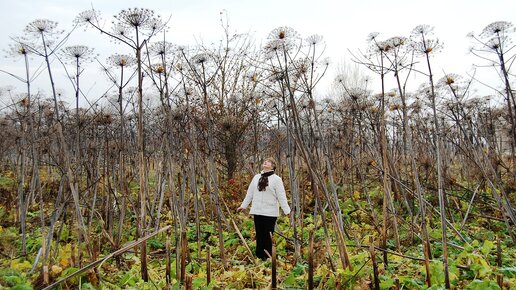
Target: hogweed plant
column 78, row 55
column 43, row 39
column 494, row 45
column 133, row 27
column 424, row 44
column 27, row 136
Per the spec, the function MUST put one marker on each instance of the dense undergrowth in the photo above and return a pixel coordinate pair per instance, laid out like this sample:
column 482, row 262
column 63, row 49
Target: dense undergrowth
column 473, row 256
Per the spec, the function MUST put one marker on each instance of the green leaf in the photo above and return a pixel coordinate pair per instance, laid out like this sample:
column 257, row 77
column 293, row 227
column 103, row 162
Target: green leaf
column 290, row 280
column 410, row 283
column 130, row 278
column 24, row 286
column 298, row 270
column 436, row 287
column 483, row 285
column 197, row 283
column 87, row 286
column 11, row 280
column 6, row 182
column 487, row 247
column 509, row 272
column 10, row 277
column 437, row 273
column 479, row 265
column 387, row 283
column 154, row 243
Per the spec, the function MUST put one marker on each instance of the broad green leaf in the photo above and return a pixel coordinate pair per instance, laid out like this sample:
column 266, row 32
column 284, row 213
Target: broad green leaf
column 410, row 282
column 197, row 283
column 479, row 265
column 290, row 280
column 437, row 273
column 487, row 247
column 20, row 265
column 386, row 283
column 24, row 286
column 11, row 280
column 483, row 285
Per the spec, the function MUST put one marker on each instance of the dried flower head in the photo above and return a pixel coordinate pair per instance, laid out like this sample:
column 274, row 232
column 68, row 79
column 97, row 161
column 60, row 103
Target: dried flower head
column 189, row 91
column 283, row 32
column 376, row 46
column 158, row 68
column 274, row 45
column 162, row 48
column 18, row 49
column 495, row 43
column 449, row 79
column 281, row 39
column 455, row 83
column 42, row 26
column 25, row 102
column 394, row 107
column 314, row 39
column 422, row 42
column 252, row 76
column 277, row 76
column 497, row 28
column 372, row 36
column 141, row 18
column 357, row 93
column 89, row 16
column 340, row 79
column 123, row 30
column 397, row 41
column 200, row 58
column 121, row 60
column 302, row 65
column 104, row 119
column 79, row 52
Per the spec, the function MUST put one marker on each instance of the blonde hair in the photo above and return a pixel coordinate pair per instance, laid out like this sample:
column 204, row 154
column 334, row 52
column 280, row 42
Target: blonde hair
column 272, row 161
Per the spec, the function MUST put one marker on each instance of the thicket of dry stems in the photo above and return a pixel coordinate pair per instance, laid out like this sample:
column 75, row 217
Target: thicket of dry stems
column 186, row 125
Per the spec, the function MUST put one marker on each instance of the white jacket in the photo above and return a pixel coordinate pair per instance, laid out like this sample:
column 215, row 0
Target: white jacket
column 266, row 202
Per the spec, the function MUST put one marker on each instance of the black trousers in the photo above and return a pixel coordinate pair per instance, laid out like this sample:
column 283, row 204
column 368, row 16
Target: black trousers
column 264, row 226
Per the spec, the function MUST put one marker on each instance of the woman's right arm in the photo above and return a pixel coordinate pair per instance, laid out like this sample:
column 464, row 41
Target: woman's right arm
column 248, row 197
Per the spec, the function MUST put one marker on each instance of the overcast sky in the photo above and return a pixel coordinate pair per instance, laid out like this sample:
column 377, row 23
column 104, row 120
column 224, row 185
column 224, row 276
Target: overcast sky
column 343, row 24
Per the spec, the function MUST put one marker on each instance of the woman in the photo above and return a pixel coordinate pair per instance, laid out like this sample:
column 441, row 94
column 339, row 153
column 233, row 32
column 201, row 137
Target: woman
column 266, row 192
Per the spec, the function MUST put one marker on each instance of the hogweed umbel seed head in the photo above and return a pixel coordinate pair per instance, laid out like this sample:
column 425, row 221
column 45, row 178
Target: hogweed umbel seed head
column 121, row 60
column 497, row 28
column 79, row 53
column 42, row 26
